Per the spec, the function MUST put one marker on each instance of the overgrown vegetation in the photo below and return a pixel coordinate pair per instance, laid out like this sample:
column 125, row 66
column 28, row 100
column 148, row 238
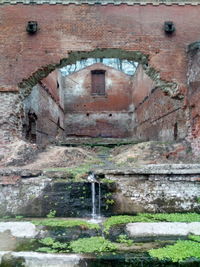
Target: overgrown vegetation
column 66, row 223
column 78, row 172
column 52, row 246
column 96, row 244
column 181, row 250
column 147, row 217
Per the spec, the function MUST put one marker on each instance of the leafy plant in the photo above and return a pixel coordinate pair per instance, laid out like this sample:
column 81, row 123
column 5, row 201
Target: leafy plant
column 124, row 240
column 52, row 246
column 94, row 244
column 51, row 214
column 182, row 250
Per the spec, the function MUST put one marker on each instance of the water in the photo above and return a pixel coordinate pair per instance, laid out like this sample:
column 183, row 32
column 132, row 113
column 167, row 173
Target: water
column 96, row 213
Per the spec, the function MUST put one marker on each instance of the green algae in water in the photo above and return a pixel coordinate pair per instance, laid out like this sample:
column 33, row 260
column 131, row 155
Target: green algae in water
column 181, row 250
column 96, row 244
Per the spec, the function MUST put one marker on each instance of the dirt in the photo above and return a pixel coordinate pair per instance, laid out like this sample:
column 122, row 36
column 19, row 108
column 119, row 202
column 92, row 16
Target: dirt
column 152, row 152
column 56, row 156
column 28, row 155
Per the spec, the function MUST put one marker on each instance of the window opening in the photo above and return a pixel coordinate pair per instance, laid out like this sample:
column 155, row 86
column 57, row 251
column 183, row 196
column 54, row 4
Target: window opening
column 98, row 82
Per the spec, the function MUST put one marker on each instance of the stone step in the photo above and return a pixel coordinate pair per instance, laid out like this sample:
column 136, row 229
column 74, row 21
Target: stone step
column 162, row 229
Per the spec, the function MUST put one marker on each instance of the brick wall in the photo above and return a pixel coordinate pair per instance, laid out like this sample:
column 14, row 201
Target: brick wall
column 44, row 107
column 65, row 28
column 98, row 115
column 10, row 114
column 157, row 116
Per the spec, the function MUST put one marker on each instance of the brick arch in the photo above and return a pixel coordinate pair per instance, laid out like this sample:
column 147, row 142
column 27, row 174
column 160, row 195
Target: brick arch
column 169, row 88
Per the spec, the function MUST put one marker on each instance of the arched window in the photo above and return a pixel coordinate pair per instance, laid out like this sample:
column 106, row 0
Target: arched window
column 98, row 82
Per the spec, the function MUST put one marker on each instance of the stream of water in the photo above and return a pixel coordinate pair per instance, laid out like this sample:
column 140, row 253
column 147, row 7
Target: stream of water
column 96, row 214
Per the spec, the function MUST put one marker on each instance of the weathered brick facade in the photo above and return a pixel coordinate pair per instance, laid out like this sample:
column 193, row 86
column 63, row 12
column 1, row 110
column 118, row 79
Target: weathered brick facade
column 82, row 28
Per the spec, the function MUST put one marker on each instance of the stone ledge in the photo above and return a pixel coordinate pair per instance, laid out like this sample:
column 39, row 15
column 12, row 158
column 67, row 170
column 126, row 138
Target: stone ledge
column 170, row 169
column 162, row 229
column 101, row 2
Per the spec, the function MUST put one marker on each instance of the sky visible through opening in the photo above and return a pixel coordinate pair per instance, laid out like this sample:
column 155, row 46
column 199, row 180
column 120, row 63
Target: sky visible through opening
column 126, row 66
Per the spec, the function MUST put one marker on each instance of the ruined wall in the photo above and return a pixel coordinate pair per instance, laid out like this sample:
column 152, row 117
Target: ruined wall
column 44, row 114
column 66, row 28
column 10, row 113
column 148, row 188
column 157, row 117
column 92, row 115
column 193, row 96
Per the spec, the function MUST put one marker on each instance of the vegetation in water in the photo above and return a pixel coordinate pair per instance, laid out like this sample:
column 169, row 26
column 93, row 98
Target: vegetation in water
column 51, row 214
column 181, row 250
column 50, row 245
column 123, row 239
column 148, row 217
column 174, row 217
column 95, row 244
column 66, row 223
column 194, row 237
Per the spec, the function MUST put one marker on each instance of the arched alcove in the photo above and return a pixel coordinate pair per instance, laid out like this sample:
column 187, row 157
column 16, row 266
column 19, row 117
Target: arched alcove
column 136, row 117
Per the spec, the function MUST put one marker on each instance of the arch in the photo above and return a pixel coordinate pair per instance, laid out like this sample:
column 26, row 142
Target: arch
column 169, row 88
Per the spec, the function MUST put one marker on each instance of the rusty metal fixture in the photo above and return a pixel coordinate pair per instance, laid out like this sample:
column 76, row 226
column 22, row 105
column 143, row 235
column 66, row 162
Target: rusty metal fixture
column 169, row 27
column 32, row 27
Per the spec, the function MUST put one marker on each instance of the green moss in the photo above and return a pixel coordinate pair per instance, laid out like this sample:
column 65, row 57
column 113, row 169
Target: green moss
column 95, row 244
column 194, row 237
column 107, row 181
column 182, row 250
column 66, row 223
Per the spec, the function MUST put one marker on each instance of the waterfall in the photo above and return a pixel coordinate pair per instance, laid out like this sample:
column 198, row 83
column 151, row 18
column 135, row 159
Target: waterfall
column 93, row 181
column 93, row 201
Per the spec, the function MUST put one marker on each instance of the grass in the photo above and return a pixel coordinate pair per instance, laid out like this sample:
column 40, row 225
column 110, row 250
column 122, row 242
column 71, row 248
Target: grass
column 147, row 217
column 95, row 244
column 78, row 172
column 66, row 223
column 181, row 250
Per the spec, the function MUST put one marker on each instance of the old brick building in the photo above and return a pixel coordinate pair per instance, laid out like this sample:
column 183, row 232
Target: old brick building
column 159, row 101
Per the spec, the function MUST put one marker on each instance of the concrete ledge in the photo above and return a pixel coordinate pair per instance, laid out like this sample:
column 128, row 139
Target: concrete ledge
column 19, row 229
column 34, row 259
column 162, row 229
